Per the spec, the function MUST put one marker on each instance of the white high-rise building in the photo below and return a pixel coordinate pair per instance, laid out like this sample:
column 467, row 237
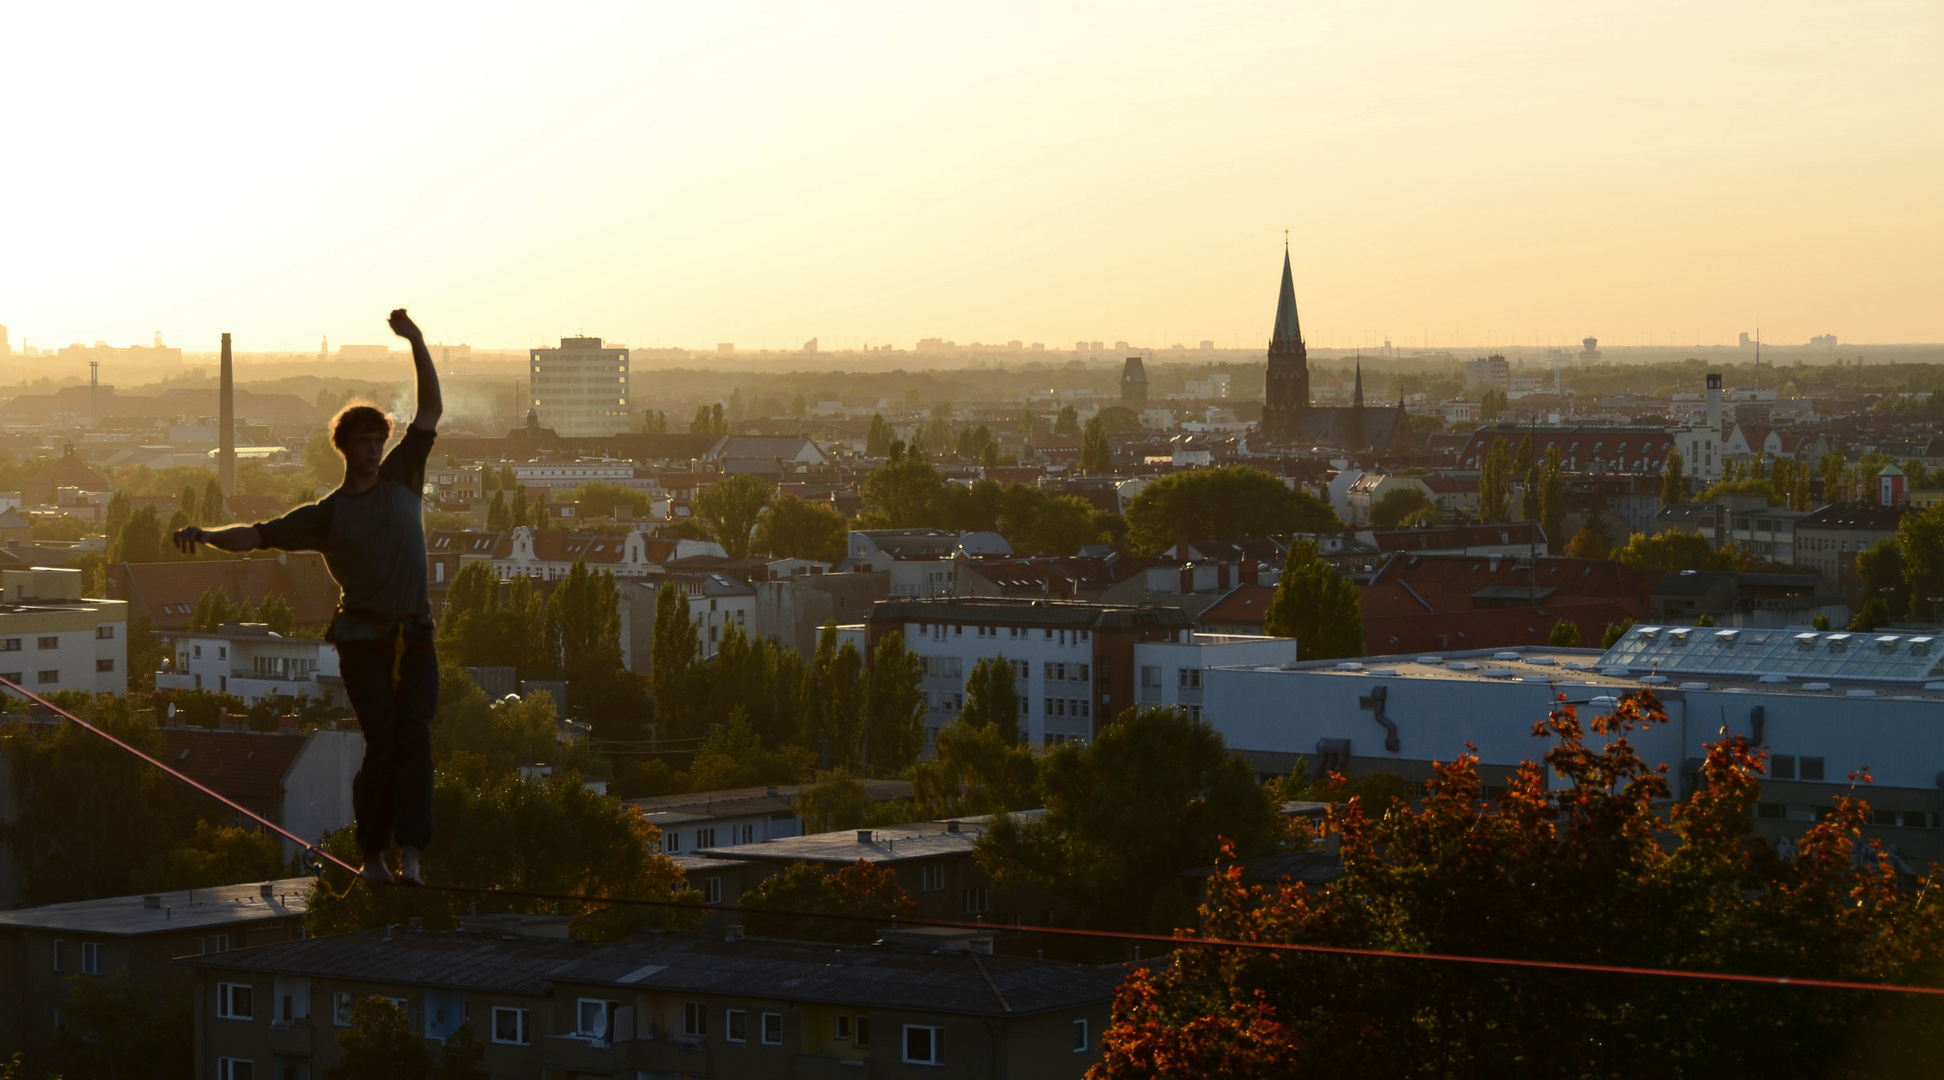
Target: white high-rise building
column 580, row 388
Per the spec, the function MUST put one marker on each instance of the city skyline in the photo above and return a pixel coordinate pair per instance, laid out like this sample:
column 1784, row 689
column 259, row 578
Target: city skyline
column 666, row 177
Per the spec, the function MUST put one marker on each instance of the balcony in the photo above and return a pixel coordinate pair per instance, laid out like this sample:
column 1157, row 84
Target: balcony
column 291, row 1038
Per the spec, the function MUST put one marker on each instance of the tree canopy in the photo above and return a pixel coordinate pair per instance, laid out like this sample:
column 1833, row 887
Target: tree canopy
column 729, row 509
column 1156, row 794
column 1594, row 866
column 1226, row 503
column 1317, row 606
column 867, row 895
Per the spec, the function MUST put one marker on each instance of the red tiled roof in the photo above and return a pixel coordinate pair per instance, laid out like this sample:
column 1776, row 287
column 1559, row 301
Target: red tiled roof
column 1457, row 536
column 247, row 766
column 1447, row 582
column 1245, row 605
column 167, row 592
column 67, row 470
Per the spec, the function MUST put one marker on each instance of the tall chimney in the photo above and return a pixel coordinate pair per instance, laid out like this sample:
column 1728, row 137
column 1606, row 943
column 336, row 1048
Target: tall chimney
column 226, row 425
column 1714, row 401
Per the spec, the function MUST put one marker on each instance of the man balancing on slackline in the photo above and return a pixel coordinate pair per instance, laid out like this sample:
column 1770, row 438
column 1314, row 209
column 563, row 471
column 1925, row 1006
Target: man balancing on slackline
column 372, row 535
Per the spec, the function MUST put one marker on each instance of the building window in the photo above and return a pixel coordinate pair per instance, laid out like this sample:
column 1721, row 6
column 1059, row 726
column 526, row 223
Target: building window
column 772, row 1029
column 695, row 1019
column 51, row 642
column 861, row 1032
column 712, row 890
column 931, row 878
column 104, row 665
column 235, row 1069
column 1782, row 767
column 705, row 838
column 341, row 1006
column 215, row 943
column 736, row 1026
column 11, row 644
column 105, row 632
column 1189, row 678
column 1812, row 768
column 592, row 1018
column 842, row 1031
column 924, row 1045
column 1080, row 1043
column 671, row 841
column 976, row 900
column 92, row 962
column 47, row 677
column 60, row 956
column 233, row 1001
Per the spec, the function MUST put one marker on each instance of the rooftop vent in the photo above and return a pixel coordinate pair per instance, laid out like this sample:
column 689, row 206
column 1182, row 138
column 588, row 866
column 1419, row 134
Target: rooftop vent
column 863, row 836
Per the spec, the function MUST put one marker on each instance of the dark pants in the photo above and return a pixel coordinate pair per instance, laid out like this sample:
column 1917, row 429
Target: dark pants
column 394, row 688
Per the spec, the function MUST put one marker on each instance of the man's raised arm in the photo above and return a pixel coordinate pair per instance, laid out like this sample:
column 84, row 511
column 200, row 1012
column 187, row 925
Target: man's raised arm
column 430, row 406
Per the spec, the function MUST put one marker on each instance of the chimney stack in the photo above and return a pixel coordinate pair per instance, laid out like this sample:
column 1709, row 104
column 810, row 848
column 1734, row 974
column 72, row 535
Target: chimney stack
column 226, row 424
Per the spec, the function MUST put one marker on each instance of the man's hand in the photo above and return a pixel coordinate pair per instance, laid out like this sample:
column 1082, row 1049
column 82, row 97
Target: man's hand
column 404, row 327
column 187, row 539
column 227, row 538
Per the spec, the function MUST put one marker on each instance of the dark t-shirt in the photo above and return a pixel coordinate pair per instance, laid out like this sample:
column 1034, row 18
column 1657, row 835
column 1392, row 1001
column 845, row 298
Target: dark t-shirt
column 373, row 542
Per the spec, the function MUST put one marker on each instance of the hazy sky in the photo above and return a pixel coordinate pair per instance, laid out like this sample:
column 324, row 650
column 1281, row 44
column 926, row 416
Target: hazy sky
column 668, row 174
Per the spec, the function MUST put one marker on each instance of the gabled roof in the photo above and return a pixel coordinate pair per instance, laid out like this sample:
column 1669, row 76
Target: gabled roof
column 464, row 961
column 1854, row 516
column 1446, row 583
column 1459, row 536
column 244, row 765
column 1244, row 605
column 167, row 592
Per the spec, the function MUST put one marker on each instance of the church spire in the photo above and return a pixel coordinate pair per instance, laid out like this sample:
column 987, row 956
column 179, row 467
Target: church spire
column 1289, row 333
column 1356, row 400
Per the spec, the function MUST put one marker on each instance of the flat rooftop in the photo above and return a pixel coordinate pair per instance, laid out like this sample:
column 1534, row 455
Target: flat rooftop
column 174, row 911
column 1593, row 669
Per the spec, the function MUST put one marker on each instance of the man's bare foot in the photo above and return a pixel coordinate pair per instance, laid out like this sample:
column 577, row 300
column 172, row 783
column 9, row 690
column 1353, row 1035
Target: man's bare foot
column 408, row 867
column 375, row 872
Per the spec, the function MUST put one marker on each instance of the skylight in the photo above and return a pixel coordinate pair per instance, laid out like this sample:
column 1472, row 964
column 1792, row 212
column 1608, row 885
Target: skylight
column 1791, row 655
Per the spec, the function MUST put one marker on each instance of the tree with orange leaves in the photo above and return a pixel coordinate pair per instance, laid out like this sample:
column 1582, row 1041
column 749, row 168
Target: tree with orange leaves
column 1601, row 870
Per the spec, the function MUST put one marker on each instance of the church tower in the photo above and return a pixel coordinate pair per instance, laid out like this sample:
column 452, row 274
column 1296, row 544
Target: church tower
column 1287, row 392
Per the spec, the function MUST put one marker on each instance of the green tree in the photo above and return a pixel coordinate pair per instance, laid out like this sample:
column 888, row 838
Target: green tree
column 1552, row 495
column 1615, row 631
column 865, row 897
column 1565, row 635
column 877, row 443
column 89, row 816
column 1067, row 422
column 141, row 538
column 502, row 734
column 674, row 680
column 1559, row 865
column 1673, row 549
column 1673, row 483
column 380, row 1045
column 116, row 1029
column 1156, row 794
column 214, row 855
column 974, row 769
column 992, row 698
column 115, row 519
column 894, row 705
column 903, row 493
column 1315, row 605
column 1873, row 614
column 460, row 1056
column 728, row 510
column 275, row 613
column 1527, row 470
column 549, row 834
column 1225, row 503
column 837, row 801
column 1494, row 484
column 795, row 529
column 834, row 693
column 1096, row 456
column 1397, row 504
column 213, row 507
column 1920, row 539
column 499, row 516
column 1880, row 573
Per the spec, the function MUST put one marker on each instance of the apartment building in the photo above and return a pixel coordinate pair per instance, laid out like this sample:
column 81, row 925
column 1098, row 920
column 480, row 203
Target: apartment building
column 1073, row 662
column 581, row 388
column 42, row 948
column 919, row 1003
column 252, row 662
column 53, row 638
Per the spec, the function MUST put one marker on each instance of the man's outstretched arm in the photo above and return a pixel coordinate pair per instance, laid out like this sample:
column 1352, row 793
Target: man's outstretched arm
column 430, row 405
column 231, row 538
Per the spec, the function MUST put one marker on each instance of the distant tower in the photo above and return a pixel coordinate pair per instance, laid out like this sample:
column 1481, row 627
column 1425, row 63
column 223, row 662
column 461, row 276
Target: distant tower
column 1134, row 384
column 324, row 347
column 158, row 339
column 1286, row 391
column 226, row 424
column 1355, row 436
column 94, row 390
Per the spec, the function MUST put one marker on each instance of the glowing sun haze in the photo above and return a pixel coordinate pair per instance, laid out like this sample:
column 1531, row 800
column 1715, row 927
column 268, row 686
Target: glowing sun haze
column 1650, row 172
